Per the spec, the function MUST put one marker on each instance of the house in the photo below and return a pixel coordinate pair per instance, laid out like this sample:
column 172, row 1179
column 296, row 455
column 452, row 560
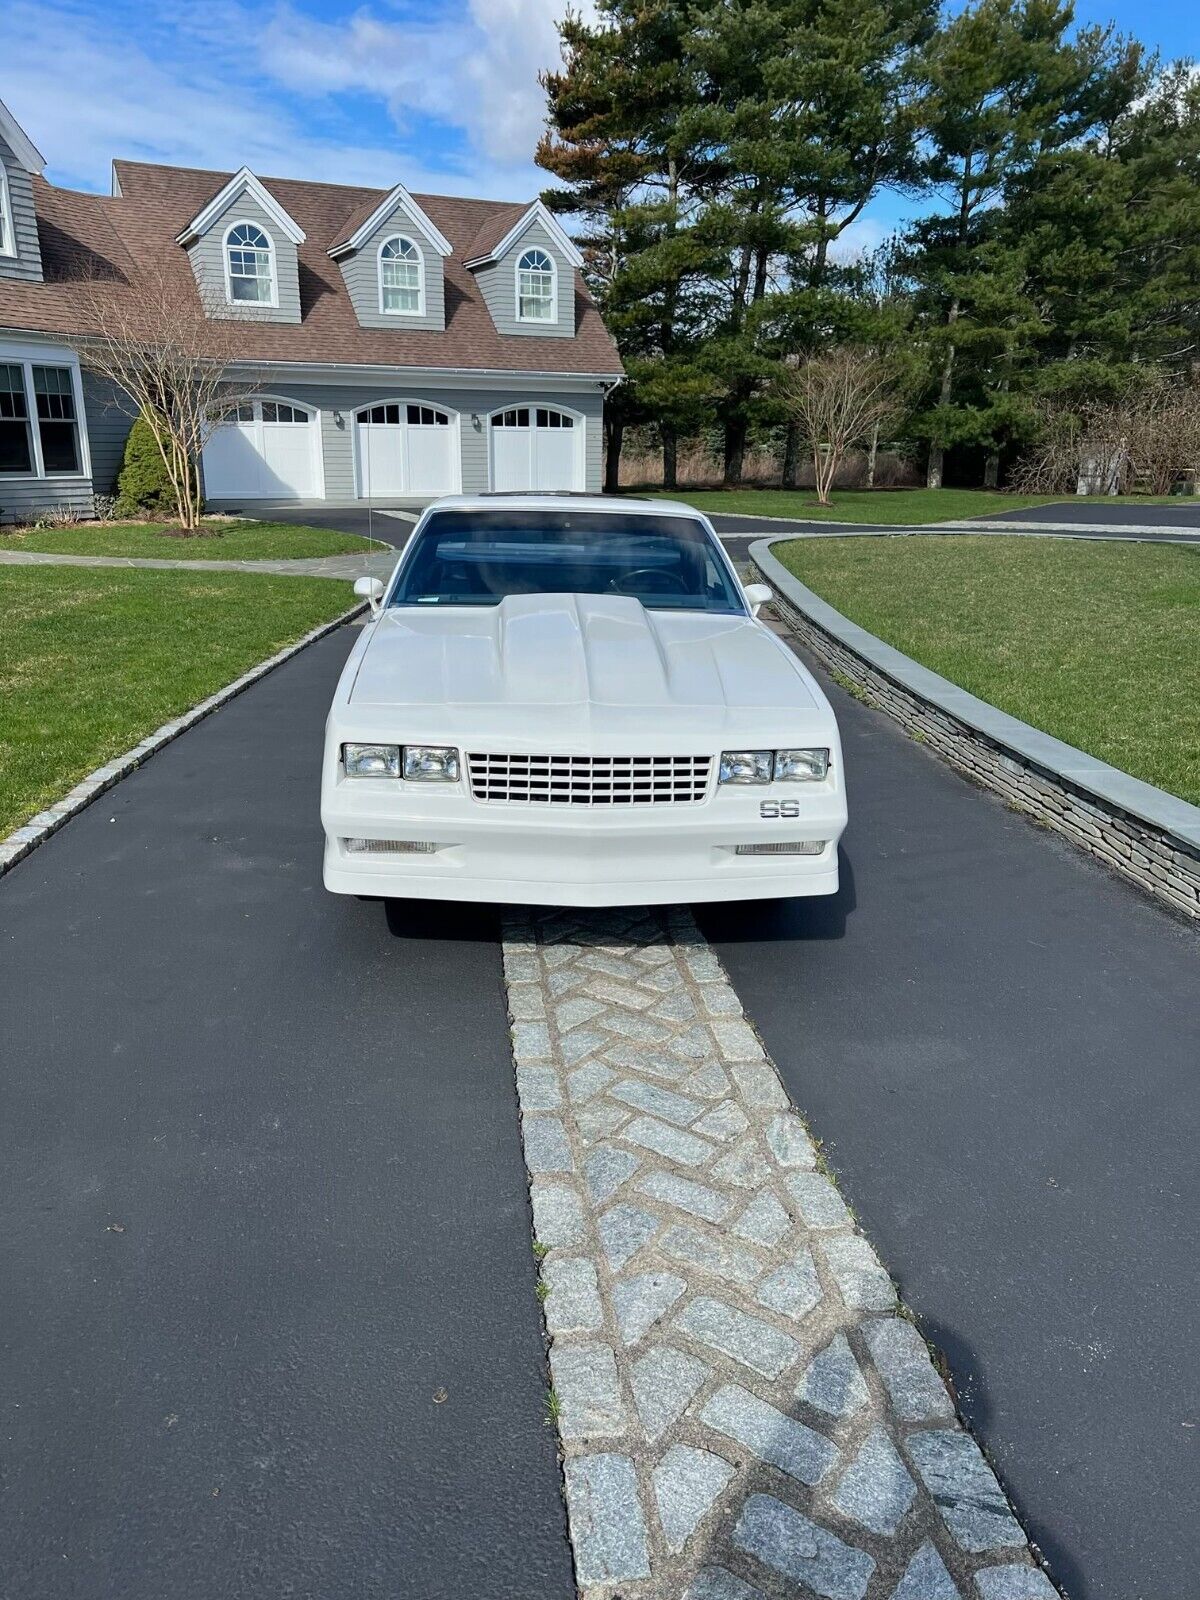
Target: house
column 400, row 345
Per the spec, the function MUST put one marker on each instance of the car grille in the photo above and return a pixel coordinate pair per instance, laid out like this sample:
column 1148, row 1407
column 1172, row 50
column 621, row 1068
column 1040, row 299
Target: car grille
column 589, row 780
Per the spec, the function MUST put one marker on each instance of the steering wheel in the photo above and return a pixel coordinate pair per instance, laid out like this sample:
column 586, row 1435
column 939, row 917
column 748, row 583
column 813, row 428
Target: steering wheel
column 656, row 574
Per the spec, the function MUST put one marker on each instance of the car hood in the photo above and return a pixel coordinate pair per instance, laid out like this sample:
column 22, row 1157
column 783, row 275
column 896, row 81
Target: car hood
column 566, row 662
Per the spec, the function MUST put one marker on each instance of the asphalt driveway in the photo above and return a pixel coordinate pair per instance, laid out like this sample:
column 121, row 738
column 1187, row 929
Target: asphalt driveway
column 269, row 1324
column 998, row 1041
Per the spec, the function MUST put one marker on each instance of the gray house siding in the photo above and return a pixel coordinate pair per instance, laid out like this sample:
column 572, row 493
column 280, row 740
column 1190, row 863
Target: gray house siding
column 108, row 425
column 27, row 263
column 498, row 285
column 361, row 273
column 22, row 498
column 207, row 256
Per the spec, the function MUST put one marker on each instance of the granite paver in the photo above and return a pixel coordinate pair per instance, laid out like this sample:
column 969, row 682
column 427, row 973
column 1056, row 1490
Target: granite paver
column 743, row 1412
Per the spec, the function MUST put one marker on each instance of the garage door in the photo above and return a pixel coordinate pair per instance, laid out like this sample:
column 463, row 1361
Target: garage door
column 405, row 448
column 536, row 447
column 270, row 450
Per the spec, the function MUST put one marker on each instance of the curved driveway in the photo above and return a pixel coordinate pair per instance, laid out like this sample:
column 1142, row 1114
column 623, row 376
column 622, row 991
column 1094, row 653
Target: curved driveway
column 269, row 1315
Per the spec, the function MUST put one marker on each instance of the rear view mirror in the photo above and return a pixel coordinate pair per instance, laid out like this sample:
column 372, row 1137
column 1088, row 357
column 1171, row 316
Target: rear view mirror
column 370, row 589
column 757, row 596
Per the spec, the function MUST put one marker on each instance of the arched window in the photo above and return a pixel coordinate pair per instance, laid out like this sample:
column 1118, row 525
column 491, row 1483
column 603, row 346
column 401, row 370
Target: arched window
column 401, row 277
column 250, row 265
column 535, row 287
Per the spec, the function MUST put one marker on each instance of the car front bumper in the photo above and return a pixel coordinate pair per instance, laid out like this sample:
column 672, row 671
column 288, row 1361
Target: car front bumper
column 558, row 856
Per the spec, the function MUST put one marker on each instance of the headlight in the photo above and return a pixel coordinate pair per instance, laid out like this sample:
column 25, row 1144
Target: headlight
column 745, row 766
column 430, row 763
column 371, row 760
column 801, row 766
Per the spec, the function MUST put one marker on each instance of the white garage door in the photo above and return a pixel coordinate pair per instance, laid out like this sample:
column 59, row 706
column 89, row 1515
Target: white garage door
column 406, row 449
column 536, row 447
column 271, row 450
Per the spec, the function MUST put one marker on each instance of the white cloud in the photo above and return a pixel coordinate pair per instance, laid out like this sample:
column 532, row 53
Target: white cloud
column 228, row 82
column 474, row 67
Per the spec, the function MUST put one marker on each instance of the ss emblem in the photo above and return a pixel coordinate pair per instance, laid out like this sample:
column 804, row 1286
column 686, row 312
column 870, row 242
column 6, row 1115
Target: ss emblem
column 770, row 809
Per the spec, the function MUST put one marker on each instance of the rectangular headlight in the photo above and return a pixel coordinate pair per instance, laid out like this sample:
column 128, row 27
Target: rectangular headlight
column 801, row 766
column 745, row 766
column 430, row 763
column 371, row 760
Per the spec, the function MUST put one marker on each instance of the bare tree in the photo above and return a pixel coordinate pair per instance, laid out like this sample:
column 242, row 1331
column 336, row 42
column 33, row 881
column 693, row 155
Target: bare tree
column 171, row 351
column 838, row 399
column 1146, row 438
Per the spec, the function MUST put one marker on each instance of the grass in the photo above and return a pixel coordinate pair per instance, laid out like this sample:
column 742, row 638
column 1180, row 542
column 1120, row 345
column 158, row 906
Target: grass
column 92, row 660
column 220, row 541
column 1095, row 643
column 885, row 507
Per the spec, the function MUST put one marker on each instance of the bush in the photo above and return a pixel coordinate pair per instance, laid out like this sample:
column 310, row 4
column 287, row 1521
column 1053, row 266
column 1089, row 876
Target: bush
column 143, row 486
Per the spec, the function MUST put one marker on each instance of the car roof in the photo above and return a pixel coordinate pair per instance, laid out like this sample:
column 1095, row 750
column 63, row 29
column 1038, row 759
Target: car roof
column 517, row 501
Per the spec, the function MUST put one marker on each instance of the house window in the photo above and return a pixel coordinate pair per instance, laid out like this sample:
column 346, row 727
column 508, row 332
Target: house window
column 535, row 287
column 16, row 444
column 400, row 277
column 250, row 265
column 54, row 394
column 46, row 396
column 8, row 233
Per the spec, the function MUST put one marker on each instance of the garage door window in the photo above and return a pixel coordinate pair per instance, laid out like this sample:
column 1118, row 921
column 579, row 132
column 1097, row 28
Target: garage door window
column 276, row 411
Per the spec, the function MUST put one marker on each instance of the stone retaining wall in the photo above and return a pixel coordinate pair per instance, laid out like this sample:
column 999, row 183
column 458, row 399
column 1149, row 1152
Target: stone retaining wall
column 1157, row 860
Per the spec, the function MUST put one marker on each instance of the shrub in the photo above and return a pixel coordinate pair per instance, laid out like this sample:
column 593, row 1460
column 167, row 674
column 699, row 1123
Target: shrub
column 142, row 484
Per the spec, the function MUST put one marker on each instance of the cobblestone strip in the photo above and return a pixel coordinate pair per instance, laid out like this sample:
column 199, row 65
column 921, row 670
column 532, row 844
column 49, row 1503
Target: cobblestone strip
column 18, row 844
column 744, row 1413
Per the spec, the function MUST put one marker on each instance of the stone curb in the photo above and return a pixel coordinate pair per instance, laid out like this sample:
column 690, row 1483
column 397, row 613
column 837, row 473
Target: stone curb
column 1151, row 837
column 16, row 846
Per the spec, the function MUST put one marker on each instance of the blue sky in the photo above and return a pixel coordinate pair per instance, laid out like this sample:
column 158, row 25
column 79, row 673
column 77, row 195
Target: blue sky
column 439, row 94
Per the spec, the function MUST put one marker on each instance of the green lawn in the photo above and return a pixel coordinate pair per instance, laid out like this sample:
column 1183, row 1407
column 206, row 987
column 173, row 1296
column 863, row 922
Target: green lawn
column 1095, row 643
column 92, row 660
column 887, row 507
column 220, row 541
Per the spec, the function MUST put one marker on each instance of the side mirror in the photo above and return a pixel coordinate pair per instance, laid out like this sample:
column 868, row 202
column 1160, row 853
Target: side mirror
column 370, row 589
column 757, row 596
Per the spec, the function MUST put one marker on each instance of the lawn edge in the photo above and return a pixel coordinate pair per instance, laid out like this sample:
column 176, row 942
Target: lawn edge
column 1149, row 836
column 17, row 845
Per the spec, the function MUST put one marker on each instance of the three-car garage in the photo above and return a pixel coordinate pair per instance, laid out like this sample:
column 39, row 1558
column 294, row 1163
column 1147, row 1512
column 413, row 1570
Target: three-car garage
column 275, row 448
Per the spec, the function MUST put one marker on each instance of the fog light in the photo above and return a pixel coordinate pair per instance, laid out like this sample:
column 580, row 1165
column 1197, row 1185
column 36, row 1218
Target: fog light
column 388, row 847
column 788, row 847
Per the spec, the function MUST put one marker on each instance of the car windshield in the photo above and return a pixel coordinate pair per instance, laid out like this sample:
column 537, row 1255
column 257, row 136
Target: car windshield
column 480, row 557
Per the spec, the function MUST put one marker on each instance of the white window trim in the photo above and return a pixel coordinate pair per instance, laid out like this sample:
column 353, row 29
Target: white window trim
column 539, row 322
column 388, row 311
column 272, row 258
column 27, row 358
column 8, row 249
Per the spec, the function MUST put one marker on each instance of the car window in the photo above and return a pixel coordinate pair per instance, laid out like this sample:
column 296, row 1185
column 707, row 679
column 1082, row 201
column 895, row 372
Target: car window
column 478, row 558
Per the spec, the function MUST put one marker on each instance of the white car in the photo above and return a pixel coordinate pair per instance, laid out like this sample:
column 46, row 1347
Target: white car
column 569, row 701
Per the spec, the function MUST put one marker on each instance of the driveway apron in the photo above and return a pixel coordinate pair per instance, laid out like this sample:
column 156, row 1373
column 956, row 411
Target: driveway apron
column 997, row 1041
column 269, row 1319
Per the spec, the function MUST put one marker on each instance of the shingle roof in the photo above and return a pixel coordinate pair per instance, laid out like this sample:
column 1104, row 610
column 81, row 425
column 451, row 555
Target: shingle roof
column 84, row 236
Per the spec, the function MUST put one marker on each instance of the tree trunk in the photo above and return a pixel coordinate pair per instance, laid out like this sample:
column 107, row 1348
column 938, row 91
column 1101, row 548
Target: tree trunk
column 872, row 455
column 791, row 455
column 991, row 470
column 933, row 477
column 670, row 454
column 614, row 438
column 736, row 430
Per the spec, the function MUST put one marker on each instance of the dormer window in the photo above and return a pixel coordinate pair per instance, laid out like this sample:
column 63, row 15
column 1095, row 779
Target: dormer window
column 8, row 235
column 250, row 266
column 401, row 278
column 535, row 287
